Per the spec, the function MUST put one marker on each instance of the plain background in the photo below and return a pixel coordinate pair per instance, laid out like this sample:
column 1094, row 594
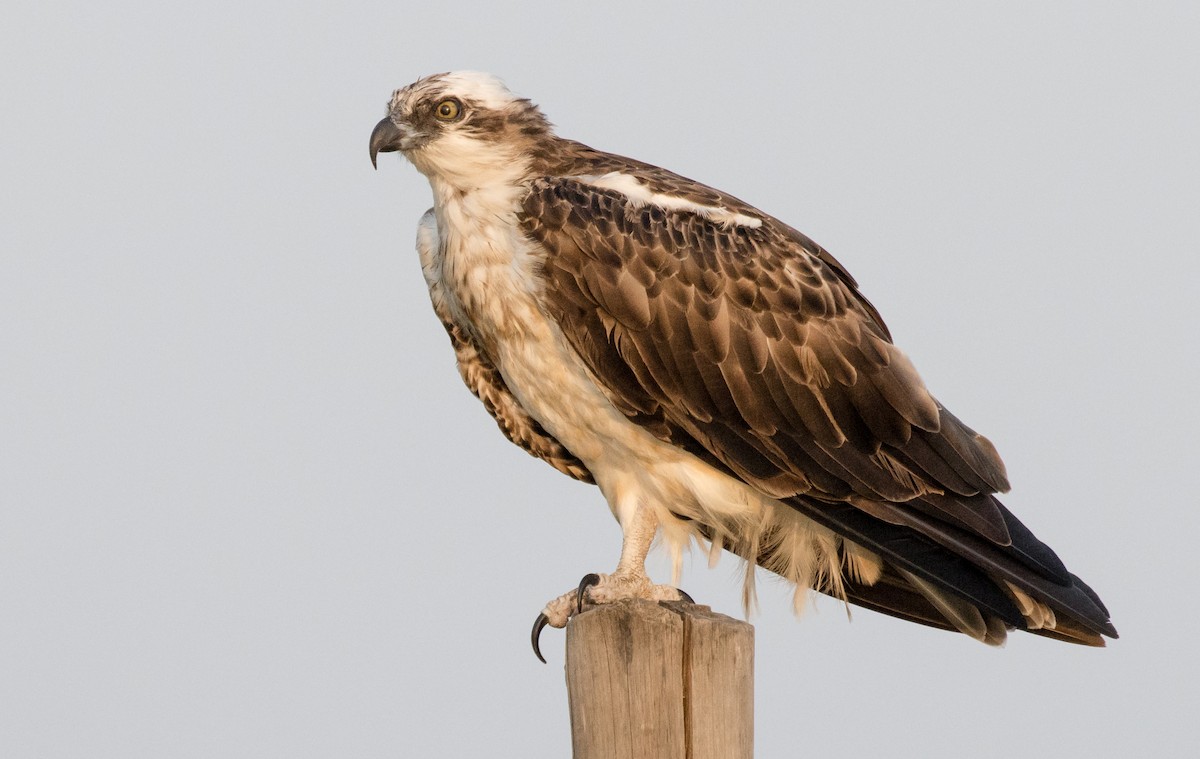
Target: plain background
column 248, row 509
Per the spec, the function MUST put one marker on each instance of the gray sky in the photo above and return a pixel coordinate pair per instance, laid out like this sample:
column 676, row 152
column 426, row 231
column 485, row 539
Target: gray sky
column 247, row 509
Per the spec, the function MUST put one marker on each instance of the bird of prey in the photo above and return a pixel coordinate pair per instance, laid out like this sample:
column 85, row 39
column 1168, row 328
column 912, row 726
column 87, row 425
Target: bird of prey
column 716, row 373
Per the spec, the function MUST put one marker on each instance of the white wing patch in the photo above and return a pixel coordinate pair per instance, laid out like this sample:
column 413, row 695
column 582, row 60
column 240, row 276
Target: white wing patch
column 640, row 195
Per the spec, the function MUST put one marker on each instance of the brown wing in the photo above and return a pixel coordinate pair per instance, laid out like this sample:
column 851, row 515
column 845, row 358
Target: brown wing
column 753, row 344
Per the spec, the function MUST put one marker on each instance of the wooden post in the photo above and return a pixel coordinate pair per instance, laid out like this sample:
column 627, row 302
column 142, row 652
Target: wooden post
column 660, row 681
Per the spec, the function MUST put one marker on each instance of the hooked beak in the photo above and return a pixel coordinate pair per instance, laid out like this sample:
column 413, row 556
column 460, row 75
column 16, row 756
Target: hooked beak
column 385, row 138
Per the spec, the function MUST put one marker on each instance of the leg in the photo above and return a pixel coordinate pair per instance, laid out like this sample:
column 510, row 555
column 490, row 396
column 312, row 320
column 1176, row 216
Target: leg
column 628, row 581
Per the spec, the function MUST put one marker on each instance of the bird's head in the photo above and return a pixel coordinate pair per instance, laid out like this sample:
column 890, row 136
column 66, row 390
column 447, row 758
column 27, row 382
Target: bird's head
column 460, row 128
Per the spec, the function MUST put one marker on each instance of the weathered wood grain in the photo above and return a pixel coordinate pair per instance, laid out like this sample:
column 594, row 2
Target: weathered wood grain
column 660, row 681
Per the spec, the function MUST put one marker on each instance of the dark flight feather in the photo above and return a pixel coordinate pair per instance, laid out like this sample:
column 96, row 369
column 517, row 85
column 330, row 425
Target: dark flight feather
column 752, row 346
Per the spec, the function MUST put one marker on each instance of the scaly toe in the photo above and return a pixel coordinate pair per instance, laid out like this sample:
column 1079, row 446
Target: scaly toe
column 559, row 611
column 599, row 589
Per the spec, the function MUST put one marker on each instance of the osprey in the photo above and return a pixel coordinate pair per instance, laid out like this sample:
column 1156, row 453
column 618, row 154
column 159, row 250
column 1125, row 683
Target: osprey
column 717, row 374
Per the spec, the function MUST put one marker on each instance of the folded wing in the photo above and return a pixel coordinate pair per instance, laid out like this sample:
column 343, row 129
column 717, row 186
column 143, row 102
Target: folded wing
column 740, row 340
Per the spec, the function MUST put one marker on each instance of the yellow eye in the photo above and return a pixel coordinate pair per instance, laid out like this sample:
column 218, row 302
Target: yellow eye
column 448, row 110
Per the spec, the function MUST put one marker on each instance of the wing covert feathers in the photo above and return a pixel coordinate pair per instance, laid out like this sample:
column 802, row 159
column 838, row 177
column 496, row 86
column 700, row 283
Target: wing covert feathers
column 751, row 347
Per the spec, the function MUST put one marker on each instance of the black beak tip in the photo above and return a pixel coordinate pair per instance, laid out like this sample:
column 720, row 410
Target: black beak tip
column 385, row 138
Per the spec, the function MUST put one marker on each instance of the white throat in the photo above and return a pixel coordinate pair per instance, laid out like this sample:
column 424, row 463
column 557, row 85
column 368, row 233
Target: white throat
column 465, row 164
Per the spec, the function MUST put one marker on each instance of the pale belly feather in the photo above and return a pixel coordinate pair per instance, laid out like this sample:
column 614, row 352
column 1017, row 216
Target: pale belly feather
column 484, row 273
column 487, row 276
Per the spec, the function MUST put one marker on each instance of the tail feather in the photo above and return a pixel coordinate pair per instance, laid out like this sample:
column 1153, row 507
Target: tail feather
column 1067, row 599
column 913, row 566
column 905, row 549
column 1012, row 585
column 965, row 617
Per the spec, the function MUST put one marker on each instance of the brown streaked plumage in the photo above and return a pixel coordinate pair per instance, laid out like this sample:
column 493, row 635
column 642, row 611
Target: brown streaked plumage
column 485, row 382
column 715, row 372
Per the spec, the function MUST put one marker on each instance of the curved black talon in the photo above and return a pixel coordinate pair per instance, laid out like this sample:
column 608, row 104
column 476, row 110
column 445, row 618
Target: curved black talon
column 686, row 597
column 538, row 625
column 588, row 581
